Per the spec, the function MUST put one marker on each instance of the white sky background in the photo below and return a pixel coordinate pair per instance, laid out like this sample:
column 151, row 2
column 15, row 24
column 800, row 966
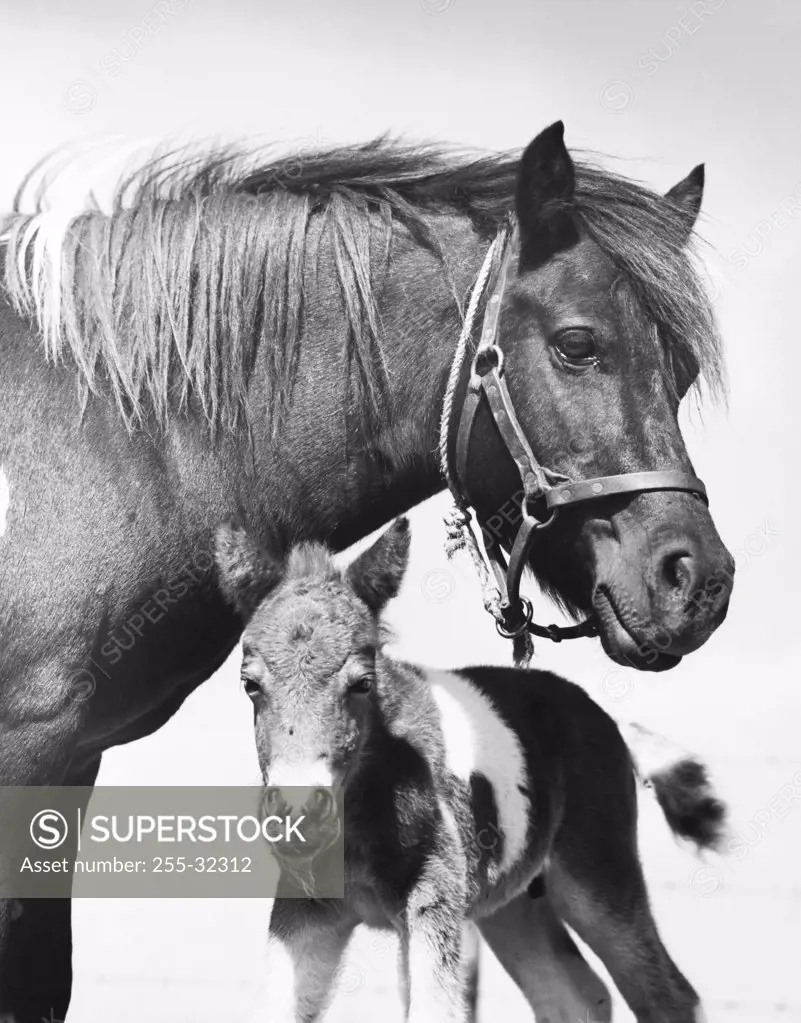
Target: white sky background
column 650, row 83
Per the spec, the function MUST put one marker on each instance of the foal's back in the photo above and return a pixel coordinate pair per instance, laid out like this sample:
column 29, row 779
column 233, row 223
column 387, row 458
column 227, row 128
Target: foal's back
column 515, row 756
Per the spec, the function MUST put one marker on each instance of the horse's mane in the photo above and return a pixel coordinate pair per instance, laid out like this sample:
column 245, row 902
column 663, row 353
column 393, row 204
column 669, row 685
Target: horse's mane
column 199, row 264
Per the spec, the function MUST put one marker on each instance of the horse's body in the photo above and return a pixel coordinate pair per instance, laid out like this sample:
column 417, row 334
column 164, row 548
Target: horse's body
column 276, row 345
column 460, row 788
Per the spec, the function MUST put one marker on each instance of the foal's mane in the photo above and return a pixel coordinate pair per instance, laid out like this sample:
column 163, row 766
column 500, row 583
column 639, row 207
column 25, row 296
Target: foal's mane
column 199, row 265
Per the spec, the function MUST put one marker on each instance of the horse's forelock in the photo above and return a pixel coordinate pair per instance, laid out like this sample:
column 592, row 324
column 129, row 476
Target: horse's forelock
column 646, row 236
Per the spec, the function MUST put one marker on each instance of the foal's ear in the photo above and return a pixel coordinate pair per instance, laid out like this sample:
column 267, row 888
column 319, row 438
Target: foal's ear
column 546, row 183
column 246, row 571
column 377, row 574
column 688, row 194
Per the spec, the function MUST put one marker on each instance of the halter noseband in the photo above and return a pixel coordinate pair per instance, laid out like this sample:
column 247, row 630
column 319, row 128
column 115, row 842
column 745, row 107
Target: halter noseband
column 513, row 613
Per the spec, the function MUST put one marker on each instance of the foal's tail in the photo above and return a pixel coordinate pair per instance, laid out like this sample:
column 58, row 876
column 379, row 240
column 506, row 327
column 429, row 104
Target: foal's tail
column 681, row 784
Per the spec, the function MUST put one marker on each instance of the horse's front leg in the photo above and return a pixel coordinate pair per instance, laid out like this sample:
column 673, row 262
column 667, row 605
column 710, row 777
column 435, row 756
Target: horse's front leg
column 305, row 947
column 36, row 934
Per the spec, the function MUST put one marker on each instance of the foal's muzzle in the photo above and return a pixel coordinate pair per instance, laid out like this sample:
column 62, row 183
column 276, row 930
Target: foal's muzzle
column 313, row 802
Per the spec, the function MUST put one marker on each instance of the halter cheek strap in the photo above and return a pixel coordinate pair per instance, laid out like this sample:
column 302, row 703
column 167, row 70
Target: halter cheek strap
column 513, row 613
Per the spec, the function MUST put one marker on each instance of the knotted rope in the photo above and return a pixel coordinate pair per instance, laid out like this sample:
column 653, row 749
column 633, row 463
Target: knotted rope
column 458, row 521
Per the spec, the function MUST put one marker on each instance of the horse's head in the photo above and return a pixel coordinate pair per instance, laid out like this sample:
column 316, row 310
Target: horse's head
column 604, row 326
column 309, row 653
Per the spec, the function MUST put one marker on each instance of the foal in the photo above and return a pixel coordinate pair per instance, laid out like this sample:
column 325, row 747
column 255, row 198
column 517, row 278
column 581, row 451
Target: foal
column 460, row 789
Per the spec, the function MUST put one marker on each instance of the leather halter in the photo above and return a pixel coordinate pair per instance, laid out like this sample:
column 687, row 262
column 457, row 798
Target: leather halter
column 550, row 489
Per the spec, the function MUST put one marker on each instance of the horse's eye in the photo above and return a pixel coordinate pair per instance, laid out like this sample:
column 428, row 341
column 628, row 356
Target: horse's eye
column 252, row 688
column 362, row 684
column 576, row 346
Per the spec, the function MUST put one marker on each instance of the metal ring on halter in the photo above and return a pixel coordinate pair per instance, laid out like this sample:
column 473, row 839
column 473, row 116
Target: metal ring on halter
column 525, row 603
column 553, row 509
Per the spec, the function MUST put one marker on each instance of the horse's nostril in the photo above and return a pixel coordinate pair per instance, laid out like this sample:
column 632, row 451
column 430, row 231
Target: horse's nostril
column 677, row 570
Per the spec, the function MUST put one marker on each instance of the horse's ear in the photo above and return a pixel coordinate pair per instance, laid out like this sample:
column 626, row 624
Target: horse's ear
column 688, row 194
column 546, row 183
column 246, row 571
column 377, row 574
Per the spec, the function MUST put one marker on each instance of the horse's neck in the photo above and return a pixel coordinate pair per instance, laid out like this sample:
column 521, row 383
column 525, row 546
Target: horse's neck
column 351, row 478
column 329, row 474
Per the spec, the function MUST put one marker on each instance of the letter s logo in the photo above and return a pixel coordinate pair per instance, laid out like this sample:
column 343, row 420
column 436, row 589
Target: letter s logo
column 49, row 829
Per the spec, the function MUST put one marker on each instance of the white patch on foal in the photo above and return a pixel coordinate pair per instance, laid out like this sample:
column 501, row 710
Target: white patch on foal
column 305, row 773
column 477, row 739
column 5, row 504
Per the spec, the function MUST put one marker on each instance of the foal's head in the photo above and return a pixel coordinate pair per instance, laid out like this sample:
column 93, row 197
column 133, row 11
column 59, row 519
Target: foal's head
column 309, row 649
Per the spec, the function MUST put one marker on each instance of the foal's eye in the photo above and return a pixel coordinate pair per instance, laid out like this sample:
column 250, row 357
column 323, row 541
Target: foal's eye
column 252, row 688
column 362, row 684
column 576, row 346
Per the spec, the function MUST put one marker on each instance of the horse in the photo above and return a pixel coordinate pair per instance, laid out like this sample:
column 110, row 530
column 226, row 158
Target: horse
column 459, row 787
column 247, row 334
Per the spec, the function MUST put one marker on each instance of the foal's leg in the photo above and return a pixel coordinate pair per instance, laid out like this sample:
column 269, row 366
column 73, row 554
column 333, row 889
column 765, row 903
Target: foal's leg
column 432, row 943
column 471, row 951
column 306, row 945
column 471, row 944
column 611, row 913
column 596, row 882
column 534, row 948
